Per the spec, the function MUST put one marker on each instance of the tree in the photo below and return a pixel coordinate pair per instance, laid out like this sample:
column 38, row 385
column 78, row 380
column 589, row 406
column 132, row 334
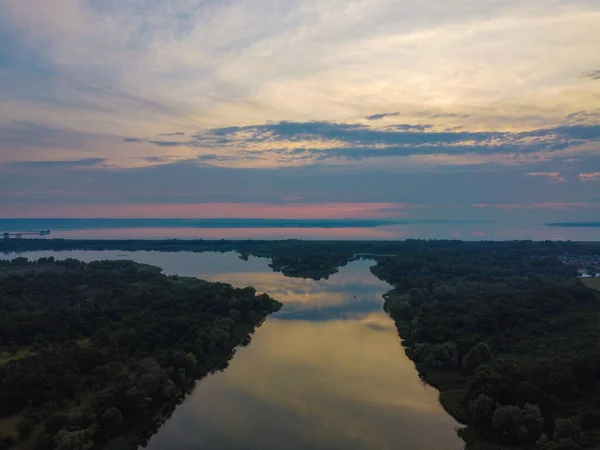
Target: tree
column 25, row 429
column 567, row 428
column 74, row 440
column 482, row 410
column 518, row 425
column 545, row 443
column 111, row 420
column 478, row 355
column 170, row 390
column 6, row 442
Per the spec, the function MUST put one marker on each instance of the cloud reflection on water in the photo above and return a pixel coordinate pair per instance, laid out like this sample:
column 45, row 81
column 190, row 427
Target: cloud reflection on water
column 338, row 381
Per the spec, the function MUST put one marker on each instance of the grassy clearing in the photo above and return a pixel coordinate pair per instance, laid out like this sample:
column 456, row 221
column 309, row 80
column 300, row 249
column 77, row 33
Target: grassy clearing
column 593, row 283
column 8, row 424
column 21, row 353
column 454, row 403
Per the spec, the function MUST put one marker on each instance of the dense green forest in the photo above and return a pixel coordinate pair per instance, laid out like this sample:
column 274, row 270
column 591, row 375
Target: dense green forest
column 510, row 338
column 504, row 330
column 93, row 355
column 302, row 259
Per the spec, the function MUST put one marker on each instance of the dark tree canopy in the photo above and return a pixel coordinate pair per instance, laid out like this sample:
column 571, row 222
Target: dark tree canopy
column 93, row 353
column 508, row 335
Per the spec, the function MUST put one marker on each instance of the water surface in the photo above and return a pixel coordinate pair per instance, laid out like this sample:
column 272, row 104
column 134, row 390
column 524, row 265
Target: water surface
column 295, row 229
column 326, row 372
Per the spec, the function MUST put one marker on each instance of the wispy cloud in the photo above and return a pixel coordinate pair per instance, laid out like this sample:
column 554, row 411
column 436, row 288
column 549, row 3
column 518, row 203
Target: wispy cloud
column 555, row 177
column 548, row 205
column 594, row 75
column 120, row 98
column 297, row 142
column 79, row 163
column 593, row 176
column 382, row 116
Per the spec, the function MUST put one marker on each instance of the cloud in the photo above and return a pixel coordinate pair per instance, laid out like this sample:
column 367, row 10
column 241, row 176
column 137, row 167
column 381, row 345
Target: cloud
column 382, row 116
column 77, row 164
column 594, row 75
column 552, row 176
column 548, row 205
column 593, row 176
column 327, row 100
column 581, row 117
column 20, row 134
column 308, row 142
column 155, row 159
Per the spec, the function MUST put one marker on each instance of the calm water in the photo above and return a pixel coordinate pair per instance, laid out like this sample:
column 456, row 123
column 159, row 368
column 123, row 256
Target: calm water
column 326, row 372
column 453, row 230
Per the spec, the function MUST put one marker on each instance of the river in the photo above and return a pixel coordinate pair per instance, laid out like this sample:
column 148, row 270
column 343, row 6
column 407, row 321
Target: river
column 326, row 372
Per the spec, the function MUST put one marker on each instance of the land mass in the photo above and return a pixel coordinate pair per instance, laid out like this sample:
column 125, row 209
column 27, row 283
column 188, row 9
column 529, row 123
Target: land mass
column 575, row 224
column 299, row 258
column 504, row 330
column 509, row 338
column 93, row 356
column 92, row 224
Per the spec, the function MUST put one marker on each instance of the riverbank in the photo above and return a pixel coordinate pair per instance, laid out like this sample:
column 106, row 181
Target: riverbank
column 112, row 346
column 508, row 339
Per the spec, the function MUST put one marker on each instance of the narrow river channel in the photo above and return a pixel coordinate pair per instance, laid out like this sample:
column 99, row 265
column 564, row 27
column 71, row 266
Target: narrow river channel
column 326, row 372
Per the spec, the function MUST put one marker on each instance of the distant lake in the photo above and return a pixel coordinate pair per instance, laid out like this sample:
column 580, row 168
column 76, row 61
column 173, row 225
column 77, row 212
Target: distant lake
column 326, row 372
column 295, row 229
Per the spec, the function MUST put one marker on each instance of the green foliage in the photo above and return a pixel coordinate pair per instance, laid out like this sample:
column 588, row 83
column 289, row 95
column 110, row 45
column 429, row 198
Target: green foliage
column 25, row 429
column 478, row 355
column 320, row 259
column 545, row 443
column 454, row 402
column 6, row 442
column 122, row 336
column 523, row 328
column 518, row 425
column 482, row 410
column 567, row 429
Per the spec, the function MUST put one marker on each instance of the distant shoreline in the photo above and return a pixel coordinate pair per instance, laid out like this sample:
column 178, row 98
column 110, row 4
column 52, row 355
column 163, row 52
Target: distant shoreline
column 62, row 224
column 574, row 224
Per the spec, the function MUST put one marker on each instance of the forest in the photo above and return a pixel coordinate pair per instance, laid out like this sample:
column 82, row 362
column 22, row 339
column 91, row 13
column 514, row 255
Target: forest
column 93, row 355
column 509, row 336
column 304, row 259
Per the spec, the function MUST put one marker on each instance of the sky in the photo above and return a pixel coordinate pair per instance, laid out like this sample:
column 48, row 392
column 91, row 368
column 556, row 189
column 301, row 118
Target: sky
column 453, row 109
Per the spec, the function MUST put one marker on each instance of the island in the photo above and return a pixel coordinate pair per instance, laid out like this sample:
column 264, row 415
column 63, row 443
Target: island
column 94, row 356
column 509, row 336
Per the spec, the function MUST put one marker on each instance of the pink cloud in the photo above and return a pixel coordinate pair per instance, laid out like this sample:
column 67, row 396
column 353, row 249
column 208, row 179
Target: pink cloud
column 593, row 176
column 552, row 176
column 213, row 210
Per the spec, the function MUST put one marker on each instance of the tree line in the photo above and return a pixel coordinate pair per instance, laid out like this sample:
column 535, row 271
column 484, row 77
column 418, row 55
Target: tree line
column 509, row 336
column 93, row 354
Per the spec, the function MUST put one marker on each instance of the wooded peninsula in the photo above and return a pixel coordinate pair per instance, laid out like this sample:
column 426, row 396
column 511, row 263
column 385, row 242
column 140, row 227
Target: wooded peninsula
column 509, row 337
column 92, row 356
